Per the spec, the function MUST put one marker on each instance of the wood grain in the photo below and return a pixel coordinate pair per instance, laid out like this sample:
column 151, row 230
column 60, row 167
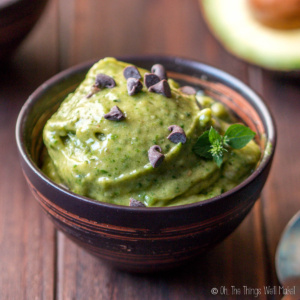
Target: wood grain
column 281, row 195
column 38, row 263
column 27, row 237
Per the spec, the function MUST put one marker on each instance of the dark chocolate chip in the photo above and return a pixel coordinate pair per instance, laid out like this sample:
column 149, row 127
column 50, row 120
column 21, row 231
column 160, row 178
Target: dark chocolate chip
column 93, row 91
column 160, row 71
column 115, row 114
column 104, row 81
column 177, row 134
column 155, row 156
column 162, row 88
column 131, row 72
column 189, row 90
column 133, row 86
column 136, row 203
column 150, row 79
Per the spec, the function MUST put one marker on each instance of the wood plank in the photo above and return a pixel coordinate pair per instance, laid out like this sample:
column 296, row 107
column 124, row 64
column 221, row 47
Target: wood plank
column 27, row 237
column 281, row 194
column 92, row 30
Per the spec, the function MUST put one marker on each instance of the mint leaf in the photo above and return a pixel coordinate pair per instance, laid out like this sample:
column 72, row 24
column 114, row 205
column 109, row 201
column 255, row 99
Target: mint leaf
column 203, row 145
column 214, row 136
column 218, row 160
column 238, row 136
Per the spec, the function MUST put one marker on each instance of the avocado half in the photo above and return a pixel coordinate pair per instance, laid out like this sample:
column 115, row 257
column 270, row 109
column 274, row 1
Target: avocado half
column 233, row 24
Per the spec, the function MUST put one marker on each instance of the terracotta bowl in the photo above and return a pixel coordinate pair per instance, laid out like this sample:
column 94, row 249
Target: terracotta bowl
column 146, row 239
column 17, row 18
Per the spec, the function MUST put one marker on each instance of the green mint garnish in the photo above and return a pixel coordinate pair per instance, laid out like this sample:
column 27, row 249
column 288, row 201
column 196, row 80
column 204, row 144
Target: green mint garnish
column 203, row 146
column 216, row 146
column 212, row 145
column 238, row 136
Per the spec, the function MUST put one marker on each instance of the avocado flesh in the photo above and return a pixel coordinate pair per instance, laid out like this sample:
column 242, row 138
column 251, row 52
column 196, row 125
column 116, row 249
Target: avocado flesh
column 233, row 24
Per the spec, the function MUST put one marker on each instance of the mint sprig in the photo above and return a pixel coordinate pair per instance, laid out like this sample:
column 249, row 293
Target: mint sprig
column 212, row 145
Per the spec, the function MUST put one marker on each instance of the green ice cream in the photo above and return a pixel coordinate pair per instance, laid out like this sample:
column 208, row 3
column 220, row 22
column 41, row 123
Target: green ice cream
column 108, row 160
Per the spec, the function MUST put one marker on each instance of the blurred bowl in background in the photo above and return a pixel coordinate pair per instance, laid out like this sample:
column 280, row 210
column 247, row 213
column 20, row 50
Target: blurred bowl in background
column 17, row 18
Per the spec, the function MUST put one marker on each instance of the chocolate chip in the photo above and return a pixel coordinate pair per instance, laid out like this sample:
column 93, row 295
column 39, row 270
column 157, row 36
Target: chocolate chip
column 131, row 72
column 133, row 86
column 101, row 81
column 93, row 91
column 115, row 114
column 136, row 203
column 150, row 79
column 177, row 134
column 104, row 81
column 160, row 71
column 189, row 90
column 162, row 88
column 155, row 156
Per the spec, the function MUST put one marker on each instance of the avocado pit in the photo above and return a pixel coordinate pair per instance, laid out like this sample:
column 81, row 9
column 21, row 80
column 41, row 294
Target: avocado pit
column 277, row 14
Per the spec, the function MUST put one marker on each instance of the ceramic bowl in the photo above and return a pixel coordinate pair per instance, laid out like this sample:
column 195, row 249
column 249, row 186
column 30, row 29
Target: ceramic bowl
column 146, row 239
column 17, row 18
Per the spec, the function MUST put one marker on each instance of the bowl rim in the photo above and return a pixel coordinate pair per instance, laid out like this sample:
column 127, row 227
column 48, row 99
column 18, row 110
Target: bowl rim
column 229, row 80
column 8, row 3
column 13, row 4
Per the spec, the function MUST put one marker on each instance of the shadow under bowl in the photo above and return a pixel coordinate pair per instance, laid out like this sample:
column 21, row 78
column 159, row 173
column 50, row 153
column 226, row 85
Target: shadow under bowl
column 17, row 18
column 146, row 239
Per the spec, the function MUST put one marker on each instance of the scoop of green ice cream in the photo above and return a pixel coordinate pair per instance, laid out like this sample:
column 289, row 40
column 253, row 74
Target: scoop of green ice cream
column 107, row 159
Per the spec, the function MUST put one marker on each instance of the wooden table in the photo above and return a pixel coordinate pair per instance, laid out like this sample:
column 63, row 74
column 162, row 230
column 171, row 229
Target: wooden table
column 36, row 261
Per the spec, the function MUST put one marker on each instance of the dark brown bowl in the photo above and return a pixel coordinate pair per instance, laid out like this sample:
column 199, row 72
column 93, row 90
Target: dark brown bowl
column 146, row 239
column 17, row 18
